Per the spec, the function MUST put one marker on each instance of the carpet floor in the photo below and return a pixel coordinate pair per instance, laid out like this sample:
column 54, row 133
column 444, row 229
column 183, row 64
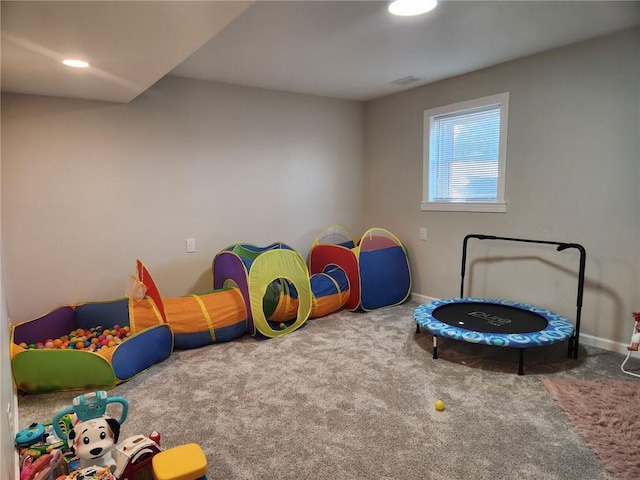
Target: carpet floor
column 351, row 396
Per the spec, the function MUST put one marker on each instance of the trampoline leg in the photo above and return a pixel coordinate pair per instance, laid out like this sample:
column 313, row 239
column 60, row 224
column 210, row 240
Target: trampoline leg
column 573, row 347
column 417, row 327
column 521, row 361
column 435, row 347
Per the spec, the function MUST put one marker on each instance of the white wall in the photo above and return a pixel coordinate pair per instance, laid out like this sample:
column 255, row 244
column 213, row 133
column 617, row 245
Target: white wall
column 88, row 187
column 573, row 174
column 8, row 406
column 9, row 415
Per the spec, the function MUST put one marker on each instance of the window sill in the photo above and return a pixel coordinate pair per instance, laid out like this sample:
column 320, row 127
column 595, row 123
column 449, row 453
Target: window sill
column 494, row 207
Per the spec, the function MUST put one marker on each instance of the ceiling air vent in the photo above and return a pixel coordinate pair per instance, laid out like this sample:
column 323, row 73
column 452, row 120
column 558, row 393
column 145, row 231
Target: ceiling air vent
column 406, row 80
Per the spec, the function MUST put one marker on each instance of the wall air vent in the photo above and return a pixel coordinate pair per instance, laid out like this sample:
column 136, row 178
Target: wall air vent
column 406, row 80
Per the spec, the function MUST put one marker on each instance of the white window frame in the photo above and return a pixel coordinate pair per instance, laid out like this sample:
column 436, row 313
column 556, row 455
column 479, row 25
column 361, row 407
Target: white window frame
column 499, row 205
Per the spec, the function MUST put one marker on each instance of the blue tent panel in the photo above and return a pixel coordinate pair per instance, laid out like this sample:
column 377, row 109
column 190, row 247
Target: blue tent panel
column 385, row 278
column 142, row 351
column 104, row 314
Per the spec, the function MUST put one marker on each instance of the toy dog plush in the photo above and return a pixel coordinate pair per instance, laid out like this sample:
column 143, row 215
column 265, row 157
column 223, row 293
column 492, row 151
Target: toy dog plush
column 92, row 441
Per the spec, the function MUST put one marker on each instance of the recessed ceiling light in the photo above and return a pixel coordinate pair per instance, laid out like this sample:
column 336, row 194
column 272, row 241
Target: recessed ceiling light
column 406, row 8
column 75, row 63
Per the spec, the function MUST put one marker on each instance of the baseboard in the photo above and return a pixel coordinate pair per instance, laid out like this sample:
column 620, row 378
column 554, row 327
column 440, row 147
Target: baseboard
column 603, row 343
column 416, row 297
column 585, row 339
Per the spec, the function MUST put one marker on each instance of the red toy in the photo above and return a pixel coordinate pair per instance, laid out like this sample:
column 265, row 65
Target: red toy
column 43, row 468
column 635, row 337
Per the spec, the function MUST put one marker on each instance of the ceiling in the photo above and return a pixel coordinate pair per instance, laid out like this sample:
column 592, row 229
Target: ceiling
column 344, row 49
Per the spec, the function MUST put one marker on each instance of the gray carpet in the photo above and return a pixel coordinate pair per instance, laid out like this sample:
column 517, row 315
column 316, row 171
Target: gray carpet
column 351, row 395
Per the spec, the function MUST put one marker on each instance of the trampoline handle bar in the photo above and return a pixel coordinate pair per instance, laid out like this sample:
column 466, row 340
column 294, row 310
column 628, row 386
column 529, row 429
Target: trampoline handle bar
column 560, row 247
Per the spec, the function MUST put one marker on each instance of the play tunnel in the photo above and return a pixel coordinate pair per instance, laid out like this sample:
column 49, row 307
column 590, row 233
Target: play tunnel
column 329, row 293
column 201, row 319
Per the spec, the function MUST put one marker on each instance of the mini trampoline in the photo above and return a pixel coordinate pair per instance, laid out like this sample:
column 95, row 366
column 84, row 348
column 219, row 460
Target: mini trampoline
column 501, row 323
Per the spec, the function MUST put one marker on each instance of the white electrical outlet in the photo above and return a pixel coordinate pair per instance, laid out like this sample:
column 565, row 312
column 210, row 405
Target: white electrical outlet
column 423, row 233
column 191, row 245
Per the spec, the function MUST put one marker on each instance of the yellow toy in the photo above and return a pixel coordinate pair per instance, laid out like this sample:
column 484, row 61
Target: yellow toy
column 186, row 462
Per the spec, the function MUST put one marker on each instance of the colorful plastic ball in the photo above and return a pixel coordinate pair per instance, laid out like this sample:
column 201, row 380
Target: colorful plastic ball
column 57, row 342
column 49, row 344
column 79, row 345
column 439, row 405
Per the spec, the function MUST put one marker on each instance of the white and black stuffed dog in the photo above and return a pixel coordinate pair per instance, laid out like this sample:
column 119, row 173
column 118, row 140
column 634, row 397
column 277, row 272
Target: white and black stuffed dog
column 92, row 440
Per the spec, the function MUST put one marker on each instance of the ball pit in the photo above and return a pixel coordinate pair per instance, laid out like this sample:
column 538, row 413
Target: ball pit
column 92, row 339
column 88, row 345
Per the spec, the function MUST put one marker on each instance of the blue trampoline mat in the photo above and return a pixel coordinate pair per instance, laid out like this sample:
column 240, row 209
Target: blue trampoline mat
column 499, row 323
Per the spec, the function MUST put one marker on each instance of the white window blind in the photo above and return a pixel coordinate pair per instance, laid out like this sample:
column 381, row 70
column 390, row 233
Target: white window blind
column 464, row 154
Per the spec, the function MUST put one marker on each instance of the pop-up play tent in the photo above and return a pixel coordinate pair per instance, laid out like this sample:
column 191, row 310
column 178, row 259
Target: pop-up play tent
column 265, row 276
column 377, row 265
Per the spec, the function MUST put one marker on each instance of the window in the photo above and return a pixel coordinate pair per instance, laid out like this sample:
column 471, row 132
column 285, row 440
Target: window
column 465, row 148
